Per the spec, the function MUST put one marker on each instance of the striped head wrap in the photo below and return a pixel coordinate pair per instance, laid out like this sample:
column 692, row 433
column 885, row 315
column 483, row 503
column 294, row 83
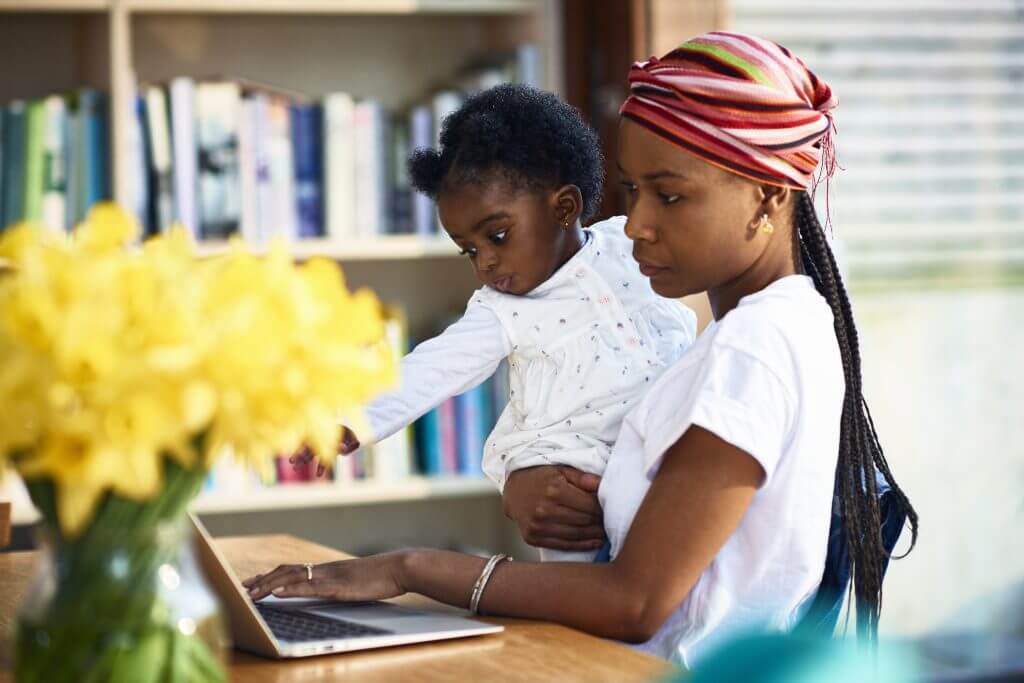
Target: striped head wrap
column 741, row 103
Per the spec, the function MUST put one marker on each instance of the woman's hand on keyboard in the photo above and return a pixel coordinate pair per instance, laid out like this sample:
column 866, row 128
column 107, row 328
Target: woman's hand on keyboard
column 371, row 578
column 555, row 507
column 348, row 444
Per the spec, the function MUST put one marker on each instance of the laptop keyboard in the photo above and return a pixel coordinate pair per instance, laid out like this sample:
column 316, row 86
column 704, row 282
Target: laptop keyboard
column 295, row 626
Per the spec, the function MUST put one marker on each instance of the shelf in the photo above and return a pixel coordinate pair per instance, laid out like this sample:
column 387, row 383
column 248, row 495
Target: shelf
column 340, row 494
column 303, row 496
column 54, row 5
column 392, row 248
column 335, row 6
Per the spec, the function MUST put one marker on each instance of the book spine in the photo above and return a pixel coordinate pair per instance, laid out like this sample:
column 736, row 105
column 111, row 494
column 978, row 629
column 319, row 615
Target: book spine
column 138, row 135
column 186, row 162
column 369, row 170
column 160, row 159
column 261, row 145
column 217, row 107
column 307, row 132
column 35, row 154
column 339, row 166
column 421, row 132
column 54, row 164
column 282, row 171
column 247, row 171
column 98, row 167
column 428, row 436
column 449, row 438
column 14, row 163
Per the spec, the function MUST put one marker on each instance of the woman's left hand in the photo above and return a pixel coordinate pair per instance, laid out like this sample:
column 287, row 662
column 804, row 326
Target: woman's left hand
column 373, row 578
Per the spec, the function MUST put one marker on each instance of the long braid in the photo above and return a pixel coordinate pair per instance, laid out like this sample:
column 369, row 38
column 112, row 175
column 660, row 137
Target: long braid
column 860, row 453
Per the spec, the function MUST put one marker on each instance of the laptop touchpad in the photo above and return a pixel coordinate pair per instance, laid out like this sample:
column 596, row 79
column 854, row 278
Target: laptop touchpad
column 366, row 611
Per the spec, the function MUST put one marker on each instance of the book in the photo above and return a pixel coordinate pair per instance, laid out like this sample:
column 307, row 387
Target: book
column 161, row 174
column 401, row 190
column 261, row 145
column 430, row 459
column 307, row 140
column 93, row 110
column 443, row 103
column 14, row 163
column 528, row 65
column 339, row 166
column 3, row 144
column 474, row 421
column 247, row 172
column 448, row 427
column 282, row 220
column 185, row 155
column 217, row 111
column 35, row 158
column 421, row 136
column 393, row 456
column 138, row 134
column 53, row 210
column 371, row 171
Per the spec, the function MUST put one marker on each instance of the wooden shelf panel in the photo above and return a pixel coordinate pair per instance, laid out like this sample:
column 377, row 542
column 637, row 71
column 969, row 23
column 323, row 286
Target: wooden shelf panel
column 336, row 6
column 393, row 248
column 307, row 496
column 340, row 494
column 54, row 5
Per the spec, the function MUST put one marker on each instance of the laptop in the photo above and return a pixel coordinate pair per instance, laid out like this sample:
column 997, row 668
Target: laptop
column 302, row 627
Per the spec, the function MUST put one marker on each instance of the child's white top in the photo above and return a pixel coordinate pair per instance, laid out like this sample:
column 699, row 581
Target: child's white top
column 582, row 348
column 768, row 379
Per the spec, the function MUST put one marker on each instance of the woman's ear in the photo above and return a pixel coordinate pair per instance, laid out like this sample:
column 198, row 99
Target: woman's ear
column 567, row 202
column 774, row 200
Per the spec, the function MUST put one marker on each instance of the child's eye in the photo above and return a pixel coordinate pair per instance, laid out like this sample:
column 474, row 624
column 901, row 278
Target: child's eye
column 499, row 237
column 468, row 251
column 628, row 186
column 668, row 198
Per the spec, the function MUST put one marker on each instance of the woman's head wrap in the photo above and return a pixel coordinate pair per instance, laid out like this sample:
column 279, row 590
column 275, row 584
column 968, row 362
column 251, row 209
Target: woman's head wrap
column 740, row 102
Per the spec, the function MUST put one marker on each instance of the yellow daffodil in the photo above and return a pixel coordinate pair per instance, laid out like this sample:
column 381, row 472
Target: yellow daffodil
column 117, row 357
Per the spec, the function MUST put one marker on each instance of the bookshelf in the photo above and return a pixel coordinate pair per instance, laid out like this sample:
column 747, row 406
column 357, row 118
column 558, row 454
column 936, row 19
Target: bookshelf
column 396, row 51
column 388, row 248
column 324, row 495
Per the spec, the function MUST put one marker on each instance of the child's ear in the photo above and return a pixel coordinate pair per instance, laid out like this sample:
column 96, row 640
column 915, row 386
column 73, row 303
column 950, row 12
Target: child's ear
column 567, row 202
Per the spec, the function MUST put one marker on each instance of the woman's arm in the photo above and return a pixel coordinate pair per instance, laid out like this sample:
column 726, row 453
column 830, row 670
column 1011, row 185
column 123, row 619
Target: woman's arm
column 697, row 499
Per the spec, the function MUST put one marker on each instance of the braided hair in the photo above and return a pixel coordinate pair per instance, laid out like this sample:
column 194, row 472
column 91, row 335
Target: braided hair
column 860, row 453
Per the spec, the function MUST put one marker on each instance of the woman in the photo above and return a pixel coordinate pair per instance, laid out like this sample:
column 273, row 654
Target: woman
column 717, row 497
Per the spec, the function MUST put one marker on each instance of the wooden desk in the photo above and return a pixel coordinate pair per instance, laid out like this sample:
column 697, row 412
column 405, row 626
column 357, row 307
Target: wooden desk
column 525, row 651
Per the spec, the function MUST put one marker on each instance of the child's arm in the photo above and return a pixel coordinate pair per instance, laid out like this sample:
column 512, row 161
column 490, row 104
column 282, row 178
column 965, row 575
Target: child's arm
column 458, row 359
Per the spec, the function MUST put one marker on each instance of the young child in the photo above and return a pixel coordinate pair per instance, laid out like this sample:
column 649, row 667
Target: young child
column 583, row 332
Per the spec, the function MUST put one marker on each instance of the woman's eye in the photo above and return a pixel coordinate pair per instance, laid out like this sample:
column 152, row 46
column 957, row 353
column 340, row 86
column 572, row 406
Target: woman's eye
column 499, row 237
column 628, row 187
column 468, row 251
column 668, row 198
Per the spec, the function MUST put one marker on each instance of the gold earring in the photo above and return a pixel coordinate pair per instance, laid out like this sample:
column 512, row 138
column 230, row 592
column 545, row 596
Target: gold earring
column 765, row 225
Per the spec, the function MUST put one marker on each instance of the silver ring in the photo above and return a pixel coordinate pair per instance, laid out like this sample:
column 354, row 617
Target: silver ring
column 309, row 571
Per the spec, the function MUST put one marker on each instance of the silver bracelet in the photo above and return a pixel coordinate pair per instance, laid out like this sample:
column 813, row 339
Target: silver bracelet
column 481, row 582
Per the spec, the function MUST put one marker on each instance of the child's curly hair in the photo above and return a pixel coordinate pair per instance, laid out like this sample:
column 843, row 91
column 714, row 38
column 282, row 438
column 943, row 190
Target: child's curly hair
column 529, row 136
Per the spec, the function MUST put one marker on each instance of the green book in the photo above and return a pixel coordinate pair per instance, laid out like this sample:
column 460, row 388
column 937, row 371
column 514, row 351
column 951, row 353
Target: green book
column 35, row 160
column 14, row 163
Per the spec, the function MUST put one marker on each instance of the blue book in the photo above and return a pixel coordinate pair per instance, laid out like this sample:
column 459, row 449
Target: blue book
column 14, row 163
column 92, row 107
column 428, row 444
column 3, row 144
column 421, row 136
column 307, row 143
column 470, row 416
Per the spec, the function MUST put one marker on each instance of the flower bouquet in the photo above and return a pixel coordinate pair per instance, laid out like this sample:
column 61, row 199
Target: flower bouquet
column 127, row 370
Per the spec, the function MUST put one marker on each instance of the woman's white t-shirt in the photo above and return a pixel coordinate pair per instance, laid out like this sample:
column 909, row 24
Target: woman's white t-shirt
column 767, row 378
